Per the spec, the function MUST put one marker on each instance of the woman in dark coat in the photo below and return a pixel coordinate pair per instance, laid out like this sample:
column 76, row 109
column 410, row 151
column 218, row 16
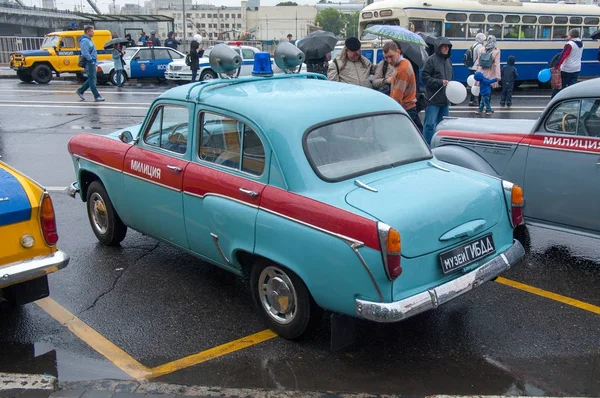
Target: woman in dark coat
column 195, row 54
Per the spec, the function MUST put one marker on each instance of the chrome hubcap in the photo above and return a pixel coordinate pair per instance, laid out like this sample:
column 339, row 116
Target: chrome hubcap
column 99, row 215
column 277, row 295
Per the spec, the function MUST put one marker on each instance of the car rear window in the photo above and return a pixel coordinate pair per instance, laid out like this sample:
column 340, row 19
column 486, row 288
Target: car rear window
column 353, row 147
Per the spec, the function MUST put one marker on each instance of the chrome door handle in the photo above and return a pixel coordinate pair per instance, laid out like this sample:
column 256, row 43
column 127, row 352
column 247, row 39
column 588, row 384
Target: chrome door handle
column 248, row 192
column 174, row 168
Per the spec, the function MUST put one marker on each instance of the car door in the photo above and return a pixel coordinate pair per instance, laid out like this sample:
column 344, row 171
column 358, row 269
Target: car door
column 223, row 186
column 247, row 61
column 162, row 58
column 142, row 64
column 68, row 53
column 153, row 174
column 562, row 176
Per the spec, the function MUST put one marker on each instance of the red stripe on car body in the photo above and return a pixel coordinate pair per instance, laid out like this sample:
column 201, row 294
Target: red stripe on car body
column 154, row 167
column 99, row 149
column 509, row 138
column 573, row 143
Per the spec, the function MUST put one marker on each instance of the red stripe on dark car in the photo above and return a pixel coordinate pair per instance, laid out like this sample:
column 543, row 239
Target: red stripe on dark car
column 509, row 138
column 321, row 215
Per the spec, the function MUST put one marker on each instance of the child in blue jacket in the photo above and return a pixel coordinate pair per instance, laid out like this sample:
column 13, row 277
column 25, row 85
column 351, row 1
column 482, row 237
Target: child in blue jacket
column 485, row 90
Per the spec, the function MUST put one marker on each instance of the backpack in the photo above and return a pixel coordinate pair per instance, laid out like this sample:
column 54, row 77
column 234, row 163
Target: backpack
column 188, row 60
column 468, row 59
column 485, row 59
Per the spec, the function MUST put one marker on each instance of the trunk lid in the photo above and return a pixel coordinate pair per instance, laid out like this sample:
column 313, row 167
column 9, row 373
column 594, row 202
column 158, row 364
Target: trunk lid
column 432, row 209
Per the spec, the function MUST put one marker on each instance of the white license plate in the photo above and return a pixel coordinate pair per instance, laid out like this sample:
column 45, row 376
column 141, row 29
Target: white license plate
column 468, row 253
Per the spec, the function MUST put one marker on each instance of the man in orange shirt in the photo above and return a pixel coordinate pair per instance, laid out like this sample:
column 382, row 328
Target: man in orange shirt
column 403, row 82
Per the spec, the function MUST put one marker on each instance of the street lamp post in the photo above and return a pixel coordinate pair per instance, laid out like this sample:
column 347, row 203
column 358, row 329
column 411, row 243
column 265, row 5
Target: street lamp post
column 184, row 19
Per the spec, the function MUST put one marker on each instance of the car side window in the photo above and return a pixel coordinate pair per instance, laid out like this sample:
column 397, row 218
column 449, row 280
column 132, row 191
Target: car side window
column 68, row 42
column 161, row 53
column 564, row 118
column 169, row 128
column 175, row 55
column 223, row 139
column 144, row 55
column 247, row 54
column 589, row 118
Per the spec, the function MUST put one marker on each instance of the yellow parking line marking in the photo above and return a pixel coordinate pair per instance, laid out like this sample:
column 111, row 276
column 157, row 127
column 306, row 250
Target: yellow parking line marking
column 552, row 296
column 212, row 353
column 94, row 339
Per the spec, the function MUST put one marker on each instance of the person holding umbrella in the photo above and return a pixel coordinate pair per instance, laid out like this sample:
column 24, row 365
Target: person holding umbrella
column 350, row 66
column 117, row 57
column 315, row 47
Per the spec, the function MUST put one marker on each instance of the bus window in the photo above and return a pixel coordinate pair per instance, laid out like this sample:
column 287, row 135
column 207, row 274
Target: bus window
column 529, row 19
column 512, row 19
column 456, row 17
column 511, row 31
column 527, row 32
column 545, row 20
column 494, row 18
column 544, row 32
column 455, row 30
column 576, row 20
column 587, row 31
column 591, row 21
column 477, row 18
column 559, row 32
column 426, row 26
column 476, row 28
column 495, row 30
column 561, row 20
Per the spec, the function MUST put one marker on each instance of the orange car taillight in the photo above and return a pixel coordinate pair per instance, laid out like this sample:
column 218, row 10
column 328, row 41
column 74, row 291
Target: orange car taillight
column 516, row 203
column 389, row 240
column 48, row 221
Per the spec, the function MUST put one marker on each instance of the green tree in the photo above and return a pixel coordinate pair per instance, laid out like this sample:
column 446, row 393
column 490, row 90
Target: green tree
column 287, row 3
column 352, row 24
column 331, row 20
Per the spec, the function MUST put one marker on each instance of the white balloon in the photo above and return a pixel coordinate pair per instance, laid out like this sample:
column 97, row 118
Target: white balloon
column 198, row 38
column 456, row 92
column 475, row 90
column 471, row 80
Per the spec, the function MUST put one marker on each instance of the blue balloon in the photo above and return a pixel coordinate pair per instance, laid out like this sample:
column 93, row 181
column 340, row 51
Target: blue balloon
column 545, row 75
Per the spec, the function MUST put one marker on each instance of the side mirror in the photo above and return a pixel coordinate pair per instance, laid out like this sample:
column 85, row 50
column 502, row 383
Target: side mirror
column 126, row 137
column 61, row 43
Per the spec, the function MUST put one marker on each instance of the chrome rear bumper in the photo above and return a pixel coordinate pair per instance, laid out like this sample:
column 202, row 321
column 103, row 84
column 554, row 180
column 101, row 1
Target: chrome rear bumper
column 432, row 298
column 22, row 271
column 73, row 189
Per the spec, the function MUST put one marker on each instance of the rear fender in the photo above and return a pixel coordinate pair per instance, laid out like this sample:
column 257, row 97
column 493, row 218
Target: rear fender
column 463, row 157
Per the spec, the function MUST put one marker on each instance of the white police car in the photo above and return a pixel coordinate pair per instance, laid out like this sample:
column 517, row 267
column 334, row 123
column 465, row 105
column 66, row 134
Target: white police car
column 140, row 63
column 178, row 72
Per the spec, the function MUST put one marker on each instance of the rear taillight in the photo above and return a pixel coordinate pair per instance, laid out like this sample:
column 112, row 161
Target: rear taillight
column 48, row 221
column 516, row 203
column 391, row 249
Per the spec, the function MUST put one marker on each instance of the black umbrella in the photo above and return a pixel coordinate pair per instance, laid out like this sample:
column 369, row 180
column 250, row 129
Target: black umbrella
column 595, row 35
column 429, row 40
column 112, row 42
column 317, row 44
column 415, row 53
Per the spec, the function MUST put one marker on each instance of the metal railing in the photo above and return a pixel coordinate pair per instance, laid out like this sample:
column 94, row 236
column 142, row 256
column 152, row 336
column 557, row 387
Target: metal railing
column 10, row 44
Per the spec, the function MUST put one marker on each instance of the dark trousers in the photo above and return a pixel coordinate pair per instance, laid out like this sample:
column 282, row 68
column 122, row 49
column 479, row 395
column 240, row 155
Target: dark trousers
column 414, row 115
column 194, row 73
column 507, row 90
column 568, row 79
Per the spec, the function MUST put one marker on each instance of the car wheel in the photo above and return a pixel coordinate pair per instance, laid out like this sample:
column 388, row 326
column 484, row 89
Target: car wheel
column 283, row 300
column 521, row 233
column 105, row 222
column 112, row 77
column 24, row 76
column 42, row 74
column 208, row 75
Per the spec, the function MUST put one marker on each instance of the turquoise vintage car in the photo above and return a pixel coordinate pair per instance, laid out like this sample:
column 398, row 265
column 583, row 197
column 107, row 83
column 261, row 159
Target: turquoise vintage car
column 323, row 194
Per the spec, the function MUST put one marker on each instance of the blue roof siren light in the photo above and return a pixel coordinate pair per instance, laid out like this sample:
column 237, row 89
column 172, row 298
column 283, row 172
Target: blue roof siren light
column 223, row 59
column 262, row 65
column 288, row 57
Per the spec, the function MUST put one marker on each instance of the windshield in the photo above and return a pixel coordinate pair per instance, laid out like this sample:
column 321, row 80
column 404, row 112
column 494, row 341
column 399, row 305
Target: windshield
column 354, row 147
column 49, row 42
column 370, row 36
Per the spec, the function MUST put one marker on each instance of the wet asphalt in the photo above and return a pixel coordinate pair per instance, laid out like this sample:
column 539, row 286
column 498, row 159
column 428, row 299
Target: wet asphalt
column 159, row 305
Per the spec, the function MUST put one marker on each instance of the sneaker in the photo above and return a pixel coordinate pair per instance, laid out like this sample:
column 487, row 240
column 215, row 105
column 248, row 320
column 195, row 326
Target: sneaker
column 508, row 106
column 502, row 105
column 80, row 95
column 473, row 104
column 488, row 113
column 478, row 112
column 99, row 99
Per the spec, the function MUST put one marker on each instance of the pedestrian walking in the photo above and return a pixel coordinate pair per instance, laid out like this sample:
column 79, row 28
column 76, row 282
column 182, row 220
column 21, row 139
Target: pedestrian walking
column 436, row 74
column 350, row 66
column 470, row 60
column 485, row 86
column 570, row 61
column 194, row 57
column 488, row 61
column 171, row 42
column 88, row 51
column 509, row 76
column 403, row 82
column 154, row 41
column 117, row 57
